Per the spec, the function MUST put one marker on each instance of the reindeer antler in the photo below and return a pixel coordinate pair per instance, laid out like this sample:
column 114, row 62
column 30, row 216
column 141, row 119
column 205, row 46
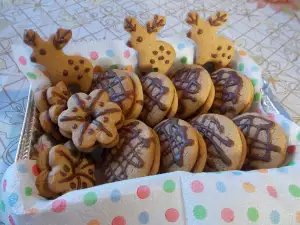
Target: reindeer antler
column 61, row 38
column 156, row 24
column 130, row 24
column 192, row 18
column 29, row 37
column 218, row 19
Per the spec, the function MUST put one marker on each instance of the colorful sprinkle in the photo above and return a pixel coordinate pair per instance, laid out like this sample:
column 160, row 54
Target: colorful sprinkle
column 126, row 54
column 249, row 187
column 254, row 82
column 298, row 217
column 242, row 53
column 35, row 170
column 291, row 149
column 237, row 173
column 110, row 53
column 252, row 214
column 292, row 164
column 172, row 215
column 294, row 190
column 197, row 186
column 199, row 212
column 115, row 195
column 241, row 67
column 11, row 220
column 227, row 215
column 256, row 96
column 22, row 60
column 94, row 55
column 59, row 205
column 2, row 206
column 143, row 192
column 31, row 75
column 169, row 186
column 272, row 191
column 144, row 217
column 90, row 198
column 298, row 136
column 4, row 184
column 183, row 60
column 180, row 46
column 275, row 217
column 93, row 222
column 119, row 220
column 114, row 66
column 221, row 187
column 13, row 199
column 254, row 69
column 22, row 168
column 28, row 191
column 283, row 170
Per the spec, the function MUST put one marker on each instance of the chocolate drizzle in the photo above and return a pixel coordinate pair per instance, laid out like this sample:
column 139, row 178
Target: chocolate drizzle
column 174, row 140
column 230, row 80
column 153, row 92
column 213, row 131
column 261, row 128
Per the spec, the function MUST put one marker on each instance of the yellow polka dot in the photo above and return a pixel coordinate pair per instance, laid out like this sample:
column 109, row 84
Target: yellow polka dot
column 249, row 187
column 263, row 170
column 32, row 211
column 242, row 53
column 129, row 68
column 298, row 217
column 93, row 222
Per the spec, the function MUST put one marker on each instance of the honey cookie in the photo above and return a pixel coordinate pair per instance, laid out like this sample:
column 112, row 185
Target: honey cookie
column 122, row 88
column 91, row 119
column 72, row 70
column 70, row 169
column 49, row 127
column 208, row 103
column 193, row 84
column 137, row 153
column 223, row 141
column 234, row 92
column 159, row 97
column 266, row 141
column 180, row 149
column 210, row 47
column 154, row 55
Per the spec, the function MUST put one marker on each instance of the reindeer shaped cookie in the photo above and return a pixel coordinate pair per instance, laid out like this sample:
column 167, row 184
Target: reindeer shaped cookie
column 211, row 48
column 154, row 55
column 74, row 70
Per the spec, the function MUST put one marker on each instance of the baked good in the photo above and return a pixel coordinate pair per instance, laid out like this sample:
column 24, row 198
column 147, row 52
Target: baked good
column 91, row 119
column 234, row 92
column 193, row 84
column 210, row 47
column 159, row 98
column 123, row 88
column 267, row 143
column 208, row 103
column 154, row 55
column 72, row 70
column 137, row 153
column 180, row 147
column 223, row 141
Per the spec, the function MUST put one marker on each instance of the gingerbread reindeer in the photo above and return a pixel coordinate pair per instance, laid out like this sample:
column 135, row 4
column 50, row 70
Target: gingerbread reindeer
column 72, row 70
column 211, row 48
column 154, row 55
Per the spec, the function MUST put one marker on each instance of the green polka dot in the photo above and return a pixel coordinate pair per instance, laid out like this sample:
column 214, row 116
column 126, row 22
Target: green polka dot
column 28, row 191
column 31, row 75
column 169, row 186
column 90, row 198
column 154, row 69
column 253, row 214
column 199, row 212
column 114, row 66
column 2, row 206
column 183, row 60
column 241, row 67
column 292, row 164
column 298, row 136
column 294, row 190
column 256, row 96
column 254, row 82
column 218, row 172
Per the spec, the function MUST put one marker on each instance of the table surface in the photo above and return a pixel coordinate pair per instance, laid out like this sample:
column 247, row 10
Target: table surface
column 272, row 38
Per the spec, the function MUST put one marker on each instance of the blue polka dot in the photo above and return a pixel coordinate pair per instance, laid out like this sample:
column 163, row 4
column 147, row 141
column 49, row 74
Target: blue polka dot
column 180, row 46
column 237, row 173
column 22, row 168
column 221, row 187
column 283, row 170
column 115, row 195
column 144, row 217
column 254, row 69
column 110, row 53
column 13, row 199
column 275, row 217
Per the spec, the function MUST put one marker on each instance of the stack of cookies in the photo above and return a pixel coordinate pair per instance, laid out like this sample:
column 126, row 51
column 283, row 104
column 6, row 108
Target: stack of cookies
column 190, row 120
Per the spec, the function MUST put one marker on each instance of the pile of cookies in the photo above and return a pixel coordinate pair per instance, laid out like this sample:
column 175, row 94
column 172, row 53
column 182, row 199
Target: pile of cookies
column 189, row 120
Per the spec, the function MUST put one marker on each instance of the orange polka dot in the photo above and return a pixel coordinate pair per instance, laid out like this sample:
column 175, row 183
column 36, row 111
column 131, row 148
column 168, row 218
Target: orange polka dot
column 249, row 187
column 242, row 53
column 32, row 211
column 97, row 69
column 129, row 68
column 263, row 170
column 93, row 222
column 298, row 217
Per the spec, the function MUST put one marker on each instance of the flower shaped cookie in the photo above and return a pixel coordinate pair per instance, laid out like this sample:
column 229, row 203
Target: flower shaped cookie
column 70, row 169
column 90, row 119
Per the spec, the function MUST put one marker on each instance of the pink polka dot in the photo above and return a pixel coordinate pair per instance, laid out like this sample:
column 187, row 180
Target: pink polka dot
column 143, row 192
column 59, row 205
column 94, row 55
column 272, row 191
column 291, row 149
column 172, row 215
column 4, row 185
column 119, row 220
column 258, row 110
column 271, row 116
column 126, row 54
column 22, row 60
column 35, row 170
column 227, row 215
column 197, row 186
column 11, row 220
